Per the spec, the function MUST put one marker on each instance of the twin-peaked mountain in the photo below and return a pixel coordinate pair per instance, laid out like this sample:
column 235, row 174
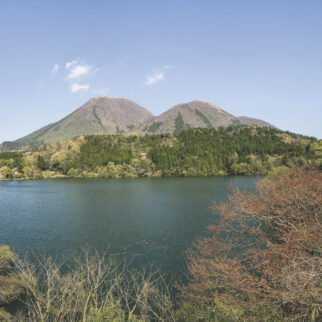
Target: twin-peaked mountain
column 121, row 116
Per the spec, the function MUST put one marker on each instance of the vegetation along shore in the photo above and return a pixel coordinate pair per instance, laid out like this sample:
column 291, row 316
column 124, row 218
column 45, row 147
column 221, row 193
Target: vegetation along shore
column 242, row 150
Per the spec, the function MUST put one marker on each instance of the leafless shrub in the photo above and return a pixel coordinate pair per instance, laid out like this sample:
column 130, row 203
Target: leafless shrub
column 265, row 253
column 91, row 289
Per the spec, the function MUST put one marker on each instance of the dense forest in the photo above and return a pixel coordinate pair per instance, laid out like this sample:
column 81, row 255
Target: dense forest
column 244, row 150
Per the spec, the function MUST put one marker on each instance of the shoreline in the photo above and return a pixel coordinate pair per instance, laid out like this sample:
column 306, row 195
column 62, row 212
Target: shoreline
column 131, row 177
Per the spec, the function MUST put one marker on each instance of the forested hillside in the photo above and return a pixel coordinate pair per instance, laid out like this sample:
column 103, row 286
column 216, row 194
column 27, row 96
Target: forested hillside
column 245, row 150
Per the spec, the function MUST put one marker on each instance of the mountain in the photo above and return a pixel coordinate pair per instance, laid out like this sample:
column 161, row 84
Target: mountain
column 194, row 114
column 98, row 115
column 109, row 115
column 251, row 121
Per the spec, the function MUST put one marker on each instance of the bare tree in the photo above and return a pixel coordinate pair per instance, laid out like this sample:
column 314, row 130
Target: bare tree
column 91, row 288
column 147, row 294
column 264, row 255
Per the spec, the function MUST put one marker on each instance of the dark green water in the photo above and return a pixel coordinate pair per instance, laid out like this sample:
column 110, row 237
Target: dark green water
column 151, row 221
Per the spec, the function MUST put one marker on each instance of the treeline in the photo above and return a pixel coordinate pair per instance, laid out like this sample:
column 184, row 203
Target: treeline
column 245, row 150
column 234, row 150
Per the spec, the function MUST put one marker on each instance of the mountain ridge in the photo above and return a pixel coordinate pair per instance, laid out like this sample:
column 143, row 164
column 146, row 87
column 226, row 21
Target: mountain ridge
column 245, row 120
column 108, row 115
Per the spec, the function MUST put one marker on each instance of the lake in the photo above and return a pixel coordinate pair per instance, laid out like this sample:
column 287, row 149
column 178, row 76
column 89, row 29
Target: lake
column 148, row 220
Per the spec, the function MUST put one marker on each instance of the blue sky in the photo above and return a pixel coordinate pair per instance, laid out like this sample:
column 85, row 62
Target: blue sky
column 262, row 59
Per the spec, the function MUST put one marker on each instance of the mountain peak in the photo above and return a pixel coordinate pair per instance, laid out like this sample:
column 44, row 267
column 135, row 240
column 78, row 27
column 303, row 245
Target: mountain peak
column 107, row 98
column 195, row 114
column 202, row 101
column 98, row 115
column 205, row 102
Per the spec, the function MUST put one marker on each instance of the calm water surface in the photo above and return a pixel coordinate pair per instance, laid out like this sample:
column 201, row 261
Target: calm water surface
column 151, row 221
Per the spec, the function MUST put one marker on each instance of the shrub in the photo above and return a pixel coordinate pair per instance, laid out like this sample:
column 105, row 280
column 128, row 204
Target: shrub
column 264, row 255
column 6, row 259
column 91, row 289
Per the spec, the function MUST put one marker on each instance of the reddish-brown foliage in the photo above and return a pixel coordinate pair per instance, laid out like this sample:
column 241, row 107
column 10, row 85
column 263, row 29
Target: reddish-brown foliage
column 266, row 249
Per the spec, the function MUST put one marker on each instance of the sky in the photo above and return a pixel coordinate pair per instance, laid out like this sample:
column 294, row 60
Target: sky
column 261, row 59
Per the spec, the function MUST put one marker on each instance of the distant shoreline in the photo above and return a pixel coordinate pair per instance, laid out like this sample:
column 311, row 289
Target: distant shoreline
column 242, row 150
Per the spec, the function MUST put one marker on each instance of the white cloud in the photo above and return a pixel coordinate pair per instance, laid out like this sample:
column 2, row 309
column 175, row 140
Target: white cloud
column 155, row 78
column 74, row 88
column 79, row 70
column 55, row 69
column 71, row 63
column 76, row 69
column 101, row 91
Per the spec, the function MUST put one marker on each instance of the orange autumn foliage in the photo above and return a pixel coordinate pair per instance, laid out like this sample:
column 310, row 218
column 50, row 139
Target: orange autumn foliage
column 265, row 250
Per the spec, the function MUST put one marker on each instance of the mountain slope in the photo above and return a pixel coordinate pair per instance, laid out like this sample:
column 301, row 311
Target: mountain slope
column 109, row 115
column 194, row 114
column 251, row 121
column 99, row 115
